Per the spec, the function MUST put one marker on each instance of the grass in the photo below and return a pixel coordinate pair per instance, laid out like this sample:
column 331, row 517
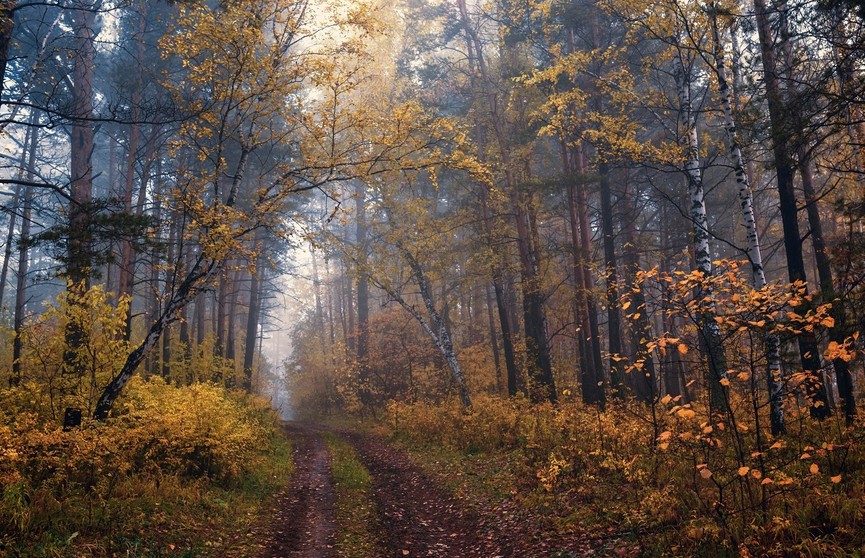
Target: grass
column 355, row 511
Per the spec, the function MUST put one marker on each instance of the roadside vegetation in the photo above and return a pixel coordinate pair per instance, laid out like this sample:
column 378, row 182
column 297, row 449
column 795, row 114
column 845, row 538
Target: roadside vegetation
column 178, row 470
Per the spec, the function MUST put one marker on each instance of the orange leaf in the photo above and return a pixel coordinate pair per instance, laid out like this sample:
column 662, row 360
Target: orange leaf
column 814, row 469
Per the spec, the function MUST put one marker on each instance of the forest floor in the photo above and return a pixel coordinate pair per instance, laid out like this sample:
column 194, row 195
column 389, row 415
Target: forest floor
column 414, row 511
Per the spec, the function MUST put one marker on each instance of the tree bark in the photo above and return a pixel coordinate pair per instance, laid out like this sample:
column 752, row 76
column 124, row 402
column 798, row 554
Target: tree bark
column 710, row 332
column 643, row 377
column 23, row 259
column 127, row 256
column 827, row 287
column 758, row 276
column 362, row 301
column 252, row 318
column 780, row 129
column 591, row 374
column 614, row 328
column 13, row 214
column 7, row 24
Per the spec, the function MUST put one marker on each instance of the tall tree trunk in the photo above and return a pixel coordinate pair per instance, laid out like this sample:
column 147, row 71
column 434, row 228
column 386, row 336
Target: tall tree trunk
column 252, row 319
column 539, row 363
column 827, row 286
column 501, row 300
column 152, row 302
column 127, row 265
column 169, row 286
column 78, row 268
column 13, row 214
column 349, row 309
column 362, row 296
column 758, row 276
column 7, row 24
column 591, row 374
column 23, row 259
column 710, row 332
column 319, row 307
column 331, row 312
column 494, row 341
column 614, row 329
column 643, row 377
column 79, row 244
column 594, row 331
column 221, row 303
column 781, row 149
column 230, row 335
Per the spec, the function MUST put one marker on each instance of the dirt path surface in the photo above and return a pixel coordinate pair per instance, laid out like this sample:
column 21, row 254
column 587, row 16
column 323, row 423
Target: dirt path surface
column 419, row 519
column 303, row 525
column 416, row 517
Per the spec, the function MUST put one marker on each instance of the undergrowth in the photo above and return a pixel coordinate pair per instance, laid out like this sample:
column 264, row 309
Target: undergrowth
column 174, row 473
column 678, row 482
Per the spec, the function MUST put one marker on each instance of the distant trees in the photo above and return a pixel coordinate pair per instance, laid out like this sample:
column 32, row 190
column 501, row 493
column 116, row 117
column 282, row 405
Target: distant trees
column 615, row 136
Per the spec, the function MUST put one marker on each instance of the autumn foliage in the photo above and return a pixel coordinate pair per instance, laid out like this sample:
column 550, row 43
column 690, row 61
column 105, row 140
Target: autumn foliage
column 681, row 480
column 169, row 456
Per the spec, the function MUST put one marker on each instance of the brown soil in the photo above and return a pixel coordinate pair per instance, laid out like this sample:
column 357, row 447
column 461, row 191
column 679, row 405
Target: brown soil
column 303, row 526
column 416, row 516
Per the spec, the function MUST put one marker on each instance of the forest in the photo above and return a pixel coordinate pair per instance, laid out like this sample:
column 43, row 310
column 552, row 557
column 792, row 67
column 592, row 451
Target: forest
column 554, row 278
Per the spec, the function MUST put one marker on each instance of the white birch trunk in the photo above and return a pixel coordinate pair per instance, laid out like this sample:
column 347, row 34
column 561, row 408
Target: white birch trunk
column 773, row 344
column 710, row 330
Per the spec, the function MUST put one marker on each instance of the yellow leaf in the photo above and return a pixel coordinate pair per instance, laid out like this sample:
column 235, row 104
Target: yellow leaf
column 626, row 305
column 686, row 413
column 682, row 348
column 666, row 399
column 724, row 382
column 814, row 469
column 744, row 471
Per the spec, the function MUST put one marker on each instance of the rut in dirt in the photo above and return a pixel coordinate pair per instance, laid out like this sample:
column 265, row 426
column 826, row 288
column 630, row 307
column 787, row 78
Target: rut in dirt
column 417, row 517
column 303, row 525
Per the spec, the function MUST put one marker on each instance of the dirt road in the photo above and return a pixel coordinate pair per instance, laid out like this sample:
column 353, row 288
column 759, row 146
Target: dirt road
column 416, row 517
